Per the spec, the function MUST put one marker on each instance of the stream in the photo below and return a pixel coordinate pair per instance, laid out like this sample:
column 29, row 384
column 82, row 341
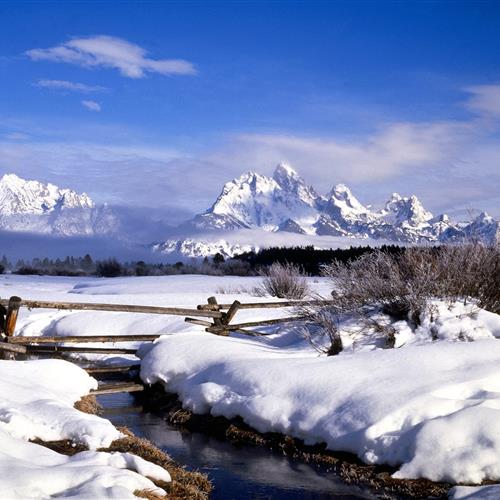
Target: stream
column 237, row 472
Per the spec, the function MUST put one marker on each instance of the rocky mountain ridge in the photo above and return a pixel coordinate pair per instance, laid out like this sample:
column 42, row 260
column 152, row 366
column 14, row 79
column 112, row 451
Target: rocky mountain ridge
column 32, row 206
column 285, row 202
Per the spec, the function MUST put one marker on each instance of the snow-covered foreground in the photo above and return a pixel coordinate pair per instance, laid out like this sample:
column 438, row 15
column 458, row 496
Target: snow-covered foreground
column 36, row 401
column 430, row 407
column 435, row 409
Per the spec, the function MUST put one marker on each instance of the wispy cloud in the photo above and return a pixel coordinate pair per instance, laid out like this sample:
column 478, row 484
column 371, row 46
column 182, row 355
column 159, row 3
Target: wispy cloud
column 69, row 86
column 112, row 52
column 393, row 150
column 450, row 165
column 91, row 105
column 484, row 99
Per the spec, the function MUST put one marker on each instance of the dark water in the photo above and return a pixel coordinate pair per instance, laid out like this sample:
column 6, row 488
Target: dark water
column 237, row 472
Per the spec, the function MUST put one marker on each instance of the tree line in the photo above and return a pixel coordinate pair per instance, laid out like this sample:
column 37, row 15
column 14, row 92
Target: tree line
column 309, row 259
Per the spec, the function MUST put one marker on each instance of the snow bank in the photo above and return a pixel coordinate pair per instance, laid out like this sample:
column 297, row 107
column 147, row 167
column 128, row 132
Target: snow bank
column 36, row 401
column 33, row 471
column 432, row 409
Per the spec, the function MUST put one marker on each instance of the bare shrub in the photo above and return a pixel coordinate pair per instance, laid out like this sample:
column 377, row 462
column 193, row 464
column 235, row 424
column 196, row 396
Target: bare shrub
column 402, row 285
column 285, row 281
column 471, row 272
column 323, row 320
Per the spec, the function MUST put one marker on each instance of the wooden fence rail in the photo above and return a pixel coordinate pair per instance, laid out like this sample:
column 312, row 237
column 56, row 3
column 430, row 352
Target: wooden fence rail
column 220, row 316
column 264, row 305
column 89, row 306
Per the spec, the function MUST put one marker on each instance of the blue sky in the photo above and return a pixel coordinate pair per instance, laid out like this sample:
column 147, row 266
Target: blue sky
column 156, row 104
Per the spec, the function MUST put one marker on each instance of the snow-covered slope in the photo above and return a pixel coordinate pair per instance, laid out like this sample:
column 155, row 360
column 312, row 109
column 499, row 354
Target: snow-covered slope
column 31, row 206
column 254, row 200
column 285, row 203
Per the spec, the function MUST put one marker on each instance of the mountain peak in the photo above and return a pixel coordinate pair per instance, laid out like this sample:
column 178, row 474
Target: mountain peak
column 285, row 202
column 408, row 211
column 284, row 169
column 484, row 217
column 343, row 205
column 21, row 196
column 287, row 178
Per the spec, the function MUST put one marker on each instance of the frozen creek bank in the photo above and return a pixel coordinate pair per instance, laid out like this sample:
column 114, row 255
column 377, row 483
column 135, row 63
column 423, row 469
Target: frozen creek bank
column 37, row 403
column 430, row 408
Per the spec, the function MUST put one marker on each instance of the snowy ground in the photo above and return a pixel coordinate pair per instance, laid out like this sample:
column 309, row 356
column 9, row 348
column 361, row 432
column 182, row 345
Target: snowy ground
column 37, row 399
column 431, row 407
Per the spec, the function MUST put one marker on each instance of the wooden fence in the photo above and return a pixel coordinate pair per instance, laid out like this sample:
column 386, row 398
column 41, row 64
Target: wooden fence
column 217, row 320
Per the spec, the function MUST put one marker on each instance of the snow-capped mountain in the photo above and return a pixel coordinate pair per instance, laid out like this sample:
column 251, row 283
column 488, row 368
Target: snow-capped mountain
column 196, row 248
column 31, row 206
column 285, row 203
column 483, row 228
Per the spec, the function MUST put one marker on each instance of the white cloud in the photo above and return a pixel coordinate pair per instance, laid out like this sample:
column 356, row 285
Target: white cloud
column 484, row 100
column 92, row 105
column 450, row 165
column 393, row 150
column 71, row 86
column 107, row 51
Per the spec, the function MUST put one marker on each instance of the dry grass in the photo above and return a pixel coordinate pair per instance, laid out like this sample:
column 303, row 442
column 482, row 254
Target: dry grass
column 185, row 484
column 89, row 404
column 403, row 284
column 150, row 495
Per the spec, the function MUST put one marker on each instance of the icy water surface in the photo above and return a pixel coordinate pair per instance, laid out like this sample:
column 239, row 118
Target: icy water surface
column 243, row 472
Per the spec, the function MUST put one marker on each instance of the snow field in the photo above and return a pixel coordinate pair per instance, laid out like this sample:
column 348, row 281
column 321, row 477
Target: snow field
column 430, row 407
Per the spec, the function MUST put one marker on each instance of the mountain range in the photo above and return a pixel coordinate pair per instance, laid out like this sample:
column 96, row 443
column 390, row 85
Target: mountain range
column 251, row 211
column 285, row 203
column 31, row 206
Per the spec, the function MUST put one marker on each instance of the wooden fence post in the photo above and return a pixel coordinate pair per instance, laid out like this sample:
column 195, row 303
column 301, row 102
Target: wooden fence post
column 218, row 326
column 8, row 318
column 231, row 312
column 11, row 316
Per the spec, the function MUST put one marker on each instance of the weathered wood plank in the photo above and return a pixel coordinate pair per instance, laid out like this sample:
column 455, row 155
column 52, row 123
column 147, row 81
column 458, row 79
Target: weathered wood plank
column 111, row 369
column 96, row 350
column 75, row 339
column 198, row 322
column 271, row 305
column 90, row 306
column 231, row 312
column 225, row 332
column 19, row 349
column 118, row 387
column 263, row 322
column 212, row 301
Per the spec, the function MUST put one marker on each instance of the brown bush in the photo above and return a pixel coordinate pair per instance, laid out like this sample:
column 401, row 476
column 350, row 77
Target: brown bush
column 402, row 285
column 285, row 281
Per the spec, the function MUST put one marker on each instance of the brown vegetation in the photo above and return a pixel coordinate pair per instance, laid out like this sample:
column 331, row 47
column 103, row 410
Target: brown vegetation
column 89, row 404
column 184, row 485
column 402, row 285
column 285, row 281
